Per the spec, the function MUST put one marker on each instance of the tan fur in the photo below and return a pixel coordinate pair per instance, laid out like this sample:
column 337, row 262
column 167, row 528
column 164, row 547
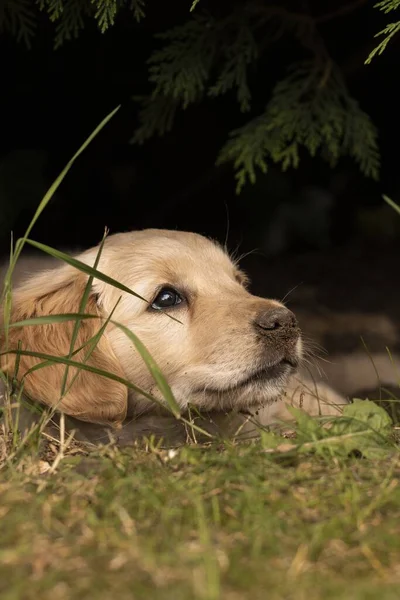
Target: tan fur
column 205, row 357
column 91, row 398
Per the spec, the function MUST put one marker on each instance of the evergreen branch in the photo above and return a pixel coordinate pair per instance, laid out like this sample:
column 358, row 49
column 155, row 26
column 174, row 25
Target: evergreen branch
column 137, row 6
column 386, row 6
column 390, row 31
column 70, row 21
column 18, row 18
column 307, row 110
column 237, row 55
column 361, row 138
column 70, row 14
column 182, row 67
column 194, row 4
column 105, row 14
column 54, row 8
column 156, row 117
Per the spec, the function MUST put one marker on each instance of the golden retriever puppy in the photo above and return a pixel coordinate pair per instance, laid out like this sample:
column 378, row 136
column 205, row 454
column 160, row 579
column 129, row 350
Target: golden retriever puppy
column 220, row 348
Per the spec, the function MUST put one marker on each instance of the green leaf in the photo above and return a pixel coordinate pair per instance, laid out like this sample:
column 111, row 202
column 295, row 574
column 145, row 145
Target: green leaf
column 308, row 428
column 269, row 440
column 366, row 428
column 369, row 413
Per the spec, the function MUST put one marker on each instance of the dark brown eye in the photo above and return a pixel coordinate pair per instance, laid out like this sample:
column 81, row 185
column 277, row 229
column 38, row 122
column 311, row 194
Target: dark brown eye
column 166, row 298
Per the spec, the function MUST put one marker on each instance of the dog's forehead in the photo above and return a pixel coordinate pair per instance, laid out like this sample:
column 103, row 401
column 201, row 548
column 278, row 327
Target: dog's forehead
column 176, row 257
column 190, row 264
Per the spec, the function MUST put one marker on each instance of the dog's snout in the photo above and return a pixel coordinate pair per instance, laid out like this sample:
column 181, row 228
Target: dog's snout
column 275, row 319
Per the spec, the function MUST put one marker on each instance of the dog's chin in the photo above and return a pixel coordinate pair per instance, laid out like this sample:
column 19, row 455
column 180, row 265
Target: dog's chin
column 261, row 387
column 271, row 375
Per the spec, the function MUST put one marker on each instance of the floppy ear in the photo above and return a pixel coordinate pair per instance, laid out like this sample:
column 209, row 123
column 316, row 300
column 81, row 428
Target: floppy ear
column 92, row 397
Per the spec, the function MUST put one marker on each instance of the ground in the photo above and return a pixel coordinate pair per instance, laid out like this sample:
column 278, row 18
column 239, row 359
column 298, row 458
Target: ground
column 209, row 522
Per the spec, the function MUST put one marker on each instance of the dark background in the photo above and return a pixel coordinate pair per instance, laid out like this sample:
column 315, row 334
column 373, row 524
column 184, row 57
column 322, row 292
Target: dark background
column 52, row 100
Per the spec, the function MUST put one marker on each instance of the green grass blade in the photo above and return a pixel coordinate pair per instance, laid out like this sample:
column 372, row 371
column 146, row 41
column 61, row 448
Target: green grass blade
column 63, row 360
column 56, row 184
column 91, row 345
column 389, row 201
column 51, row 319
column 53, row 188
column 145, row 354
column 154, row 369
column 81, row 309
column 14, row 254
column 72, row 363
column 84, row 268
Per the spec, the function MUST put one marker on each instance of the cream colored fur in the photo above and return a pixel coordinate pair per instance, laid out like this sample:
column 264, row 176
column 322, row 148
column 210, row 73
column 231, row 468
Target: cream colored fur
column 206, row 356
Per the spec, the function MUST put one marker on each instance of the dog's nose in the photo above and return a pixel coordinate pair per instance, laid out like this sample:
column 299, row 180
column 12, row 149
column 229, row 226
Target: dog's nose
column 275, row 319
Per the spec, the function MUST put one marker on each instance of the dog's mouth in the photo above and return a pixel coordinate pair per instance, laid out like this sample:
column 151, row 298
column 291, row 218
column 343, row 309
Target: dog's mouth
column 266, row 375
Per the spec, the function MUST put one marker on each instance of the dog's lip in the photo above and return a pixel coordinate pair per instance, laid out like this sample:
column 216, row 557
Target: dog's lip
column 291, row 361
column 271, row 371
column 265, row 374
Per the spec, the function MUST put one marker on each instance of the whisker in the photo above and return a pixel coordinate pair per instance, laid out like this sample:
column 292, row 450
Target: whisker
column 245, row 254
column 290, row 291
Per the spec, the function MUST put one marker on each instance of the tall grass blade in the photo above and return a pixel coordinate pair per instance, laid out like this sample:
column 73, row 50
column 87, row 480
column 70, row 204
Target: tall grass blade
column 81, row 309
column 154, row 369
column 389, row 201
column 15, row 253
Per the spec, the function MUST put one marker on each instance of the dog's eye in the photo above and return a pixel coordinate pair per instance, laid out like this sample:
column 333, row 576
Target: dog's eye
column 166, row 298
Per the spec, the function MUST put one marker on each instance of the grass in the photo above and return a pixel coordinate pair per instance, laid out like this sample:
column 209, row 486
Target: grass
column 274, row 518
column 200, row 522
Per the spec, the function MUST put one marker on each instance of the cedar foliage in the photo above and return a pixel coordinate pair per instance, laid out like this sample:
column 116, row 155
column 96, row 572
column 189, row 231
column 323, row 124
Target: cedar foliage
column 310, row 107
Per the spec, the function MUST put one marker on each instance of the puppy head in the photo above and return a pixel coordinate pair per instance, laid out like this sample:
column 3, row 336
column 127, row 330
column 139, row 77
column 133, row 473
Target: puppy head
column 224, row 349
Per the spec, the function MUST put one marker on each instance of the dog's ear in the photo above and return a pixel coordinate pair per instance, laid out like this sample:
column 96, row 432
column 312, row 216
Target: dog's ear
column 91, row 397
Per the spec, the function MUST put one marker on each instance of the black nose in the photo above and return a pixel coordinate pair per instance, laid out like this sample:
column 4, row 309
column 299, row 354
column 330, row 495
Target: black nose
column 274, row 319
